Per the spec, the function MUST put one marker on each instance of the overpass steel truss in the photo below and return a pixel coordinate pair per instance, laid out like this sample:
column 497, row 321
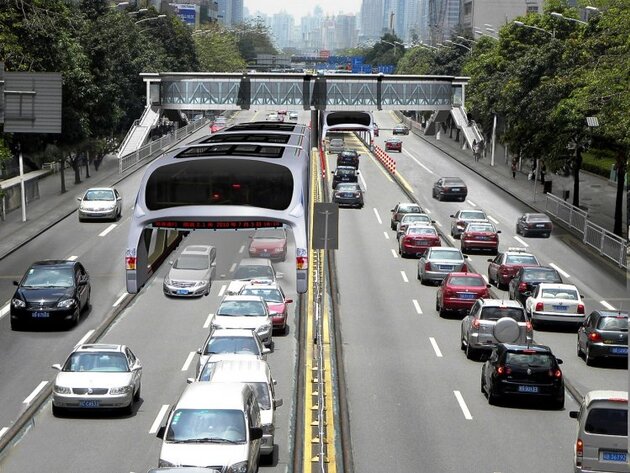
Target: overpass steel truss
column 366, row 92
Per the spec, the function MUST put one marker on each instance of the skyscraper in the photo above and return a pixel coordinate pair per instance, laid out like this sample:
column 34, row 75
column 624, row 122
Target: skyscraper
column 230, row 12
column 371, row 20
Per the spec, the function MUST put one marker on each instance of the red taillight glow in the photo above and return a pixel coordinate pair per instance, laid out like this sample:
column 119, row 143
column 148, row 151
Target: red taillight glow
column 476, row 323
column 579, row 450
column 555, row 373
column 236, row 186
column 464, row 268
column 539, row 306
column 503, row 370
column 580, row 308
column 427, row 266
column 594, row 337
column 528, row 326
column 522, row 287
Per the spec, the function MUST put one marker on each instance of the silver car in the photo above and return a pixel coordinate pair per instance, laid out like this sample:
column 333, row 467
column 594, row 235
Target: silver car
column 437, row 262
column 192, row 272
column 100, row 203
column 492, row 321
column 251, row 269
column 407, row 219
column 231, row 341
column 97, row 376
column 463, row 218
column 244, row 312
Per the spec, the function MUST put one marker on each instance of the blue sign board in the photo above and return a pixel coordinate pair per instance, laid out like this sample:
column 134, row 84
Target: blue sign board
column 187, row 13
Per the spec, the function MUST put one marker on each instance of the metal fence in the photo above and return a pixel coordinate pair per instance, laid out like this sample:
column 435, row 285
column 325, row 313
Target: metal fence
column 156, row 147
column 606, row 243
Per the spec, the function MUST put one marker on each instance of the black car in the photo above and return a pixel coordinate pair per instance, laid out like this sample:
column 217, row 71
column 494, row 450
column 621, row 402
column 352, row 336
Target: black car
column 348, row 194
column 527, row 278
column 348, row 157
column 604, row 334
column 531, row 224
column 450, row 188
column 523, row 371
column 344, row 174
column 52, row 291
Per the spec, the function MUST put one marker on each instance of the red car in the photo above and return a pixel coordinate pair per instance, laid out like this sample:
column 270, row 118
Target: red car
column 269, row 243
column 480, row 236
column 505, row 265
column 459, row 291
column 393, row 144
column 416, row 240
column 218, row 124
column 275, row 299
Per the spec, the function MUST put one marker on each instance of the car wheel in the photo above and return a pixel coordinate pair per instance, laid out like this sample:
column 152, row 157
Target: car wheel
column 88, row 302
column 546, row 235
column 437, row 304
column 590, row 360
column 128, row 410
column 461, row 199
column 493, row 399
column 518, row 232
column 578, row 349
column 57, row 411
column 75, row 320
column 464, row 249
column 462, row 345
column 471, row 353
column 16, row 325
column 525, row 233
column 400, row 252
column 483, row 381
column 558, row 404
column 136, row 396
column 440, row 197
column 392, row 225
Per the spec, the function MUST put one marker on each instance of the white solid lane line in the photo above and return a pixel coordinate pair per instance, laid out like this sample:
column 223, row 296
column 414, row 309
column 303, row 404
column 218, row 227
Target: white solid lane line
column 223, row 288
column 158, row 420
column 607, row 305
column 561, row 271
column 3, row 431
column 521, row 241
column 418, row 162
column 427, row 211
column 35, row 392
column 107, row 230
column 188, row 361
column 470, row 202
column 438, row 223
column 485, row 278
column 404, row 276
column 85, row 337
column 5, row 310
column 417, row 307
column 71, row 258
column 386, row 235
column 241, row 249
column 436, row 349
column 493, row 220
column 462, row 405
column 394, row 254
column 233, row 267
column 120, row 299
column 364, row 184
column 206, row 324
column 378, row 217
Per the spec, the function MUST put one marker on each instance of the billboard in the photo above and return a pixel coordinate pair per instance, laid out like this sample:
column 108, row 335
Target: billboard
column 189, row 14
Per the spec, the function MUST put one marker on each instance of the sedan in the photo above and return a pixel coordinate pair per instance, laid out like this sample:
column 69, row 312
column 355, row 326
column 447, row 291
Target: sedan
column 277, row 303
column 51, row 291
column 555, row 303
column 400, row 129
column 436, row 263
column 463, row 218
column 604, row 334
column 530, row 224
column 97, row 376
column 99, row 203
column 525, row 372
column 231, row 341
column 459, row 291
column 401, row 209
column 417, row 239
column 218, row 124
column 411, row 219
column 344, row 174
column 527, row 278
column 393, row 144
column 269, row 243
column 348, row 194
column 450, row 188
column 192, row 272
column 503, row 267
column 480, row 236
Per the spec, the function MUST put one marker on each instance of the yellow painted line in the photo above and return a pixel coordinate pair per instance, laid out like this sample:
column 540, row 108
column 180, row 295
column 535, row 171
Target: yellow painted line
column 255, row 115
column 404, row 182
column 332, row 435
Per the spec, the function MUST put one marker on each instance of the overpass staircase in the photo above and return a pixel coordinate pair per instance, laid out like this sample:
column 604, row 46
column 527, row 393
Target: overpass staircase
column 469, row 129
column 139, row 131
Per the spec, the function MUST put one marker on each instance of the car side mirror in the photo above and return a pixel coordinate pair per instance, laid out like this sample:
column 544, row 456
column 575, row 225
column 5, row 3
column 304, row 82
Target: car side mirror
column 573, row 414
column 277, row 403
column 488, row 285
column 160, row 432
column 16, row 283
column 465, row 256
column 198, row 351
column 432, row 221
column 118, row 198
column 56, row 366
column 498, row 231
column 358, row 172
column 79, row 199
column 453, row 216
column 190, row 380
column 490, row 260
column 266, row 351
column 171, row 263
column 255, row 433
column 391, row 210
column 332, row 172
column 288, row 301
column 559, row 361
column 214, row 264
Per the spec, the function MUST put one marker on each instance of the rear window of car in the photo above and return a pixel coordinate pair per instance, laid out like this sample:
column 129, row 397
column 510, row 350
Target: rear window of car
column 551, row 293
column 466, row 281
column 453, row 182
column 606, row 421
column 480, row 228
column 613, row 323
column 445, row 254
column 336, row 142
column 520, row 259
column 529, row 360
column 472, row 215
column 496, row 313
column 542, row 275
column 345, row 172
column 347, row 187
column 423, row 230
column 416, row 218
column 538, row 218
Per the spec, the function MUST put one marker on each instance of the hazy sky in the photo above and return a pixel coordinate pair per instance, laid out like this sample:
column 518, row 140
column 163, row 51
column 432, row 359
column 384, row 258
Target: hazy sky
column 300, row 8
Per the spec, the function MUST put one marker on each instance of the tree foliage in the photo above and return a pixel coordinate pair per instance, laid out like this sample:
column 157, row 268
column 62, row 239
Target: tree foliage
column 218, row 50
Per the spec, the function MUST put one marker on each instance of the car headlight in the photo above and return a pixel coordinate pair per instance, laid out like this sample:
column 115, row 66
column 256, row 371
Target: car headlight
column 66, row 303
column 167, row 281
column 18, row 303
column 164, row 463
column 278, row 250
column 200, row 283
column 240, row 467
column 121, row 390
column 61, row 389
column 263, row 328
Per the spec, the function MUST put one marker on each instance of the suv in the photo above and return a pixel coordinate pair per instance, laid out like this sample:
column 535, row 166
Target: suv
column 602, row 433
column 344, row 174
column 348, row 157
column 491, row 321
column 523, row 371
column 192, row 272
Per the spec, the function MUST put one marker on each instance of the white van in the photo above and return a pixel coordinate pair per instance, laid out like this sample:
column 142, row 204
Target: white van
column 213, row 425
column 257, row 375
column 602, row 434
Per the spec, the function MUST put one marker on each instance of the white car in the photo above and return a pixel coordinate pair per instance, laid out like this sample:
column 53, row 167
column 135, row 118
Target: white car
column 231, row 342
column 192, row 272
column 293, row 116
column 244, row 312
column 552, row 302
column 99, row 203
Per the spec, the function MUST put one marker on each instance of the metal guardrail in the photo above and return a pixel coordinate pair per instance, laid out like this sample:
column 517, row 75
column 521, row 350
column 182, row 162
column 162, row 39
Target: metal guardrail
column 129, row 133
column 605, row 242
column 157, row 146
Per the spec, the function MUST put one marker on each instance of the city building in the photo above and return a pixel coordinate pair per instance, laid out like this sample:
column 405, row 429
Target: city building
column 371, row 20
column 230, row 12
column 477, row 14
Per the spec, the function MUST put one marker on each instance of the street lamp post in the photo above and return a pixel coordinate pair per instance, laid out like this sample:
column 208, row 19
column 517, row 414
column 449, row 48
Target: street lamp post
column 458, row 44
column 531, row 27
column 560, row 16
column 153, row 18
column 466, row 39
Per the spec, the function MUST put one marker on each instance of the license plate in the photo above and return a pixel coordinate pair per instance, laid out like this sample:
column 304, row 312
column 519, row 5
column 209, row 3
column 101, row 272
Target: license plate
column 89, row 404
column 483, row 238
column 445, row 268
column 467, row 296
column 560, row 308
column 619, row 350
column 41, row 315
column 421, row 242
column 528, row 389
column 455, row 189
column 540, row 225
column 182, row 291
column 614, row 457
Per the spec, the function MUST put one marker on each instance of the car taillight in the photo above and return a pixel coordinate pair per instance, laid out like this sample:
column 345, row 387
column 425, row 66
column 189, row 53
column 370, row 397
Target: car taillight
column 555, row 373
column 503, row 370
column 528, row 326
column 448, row 292
column 580, row 308
column 522, row 287
column 461, row 224
column 539, row 306
column 579, row 451
column 464, row 268
column 427, row 266
column 356, row 194
column 594, row 337
column 476, row 323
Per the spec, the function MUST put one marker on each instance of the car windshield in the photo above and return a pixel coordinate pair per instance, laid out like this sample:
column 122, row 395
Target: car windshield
column 607, row 422
column 496, row 313
column 543, row 275
column 96, row 361
column 446, row 254
column 268, row 294
column 520, row 259
column 262, row 394
column 347, row 187
column 253, row 272
column 529, row 360
column 619, row 323
column 422, row 231
column 472, row 215
column 191, row 262
column 49, row 277
column 559, row 293
column 206, row 425
column 242, row 308
column 480, row 228
column 269, row 233
column 239, row 345
column 220, row 120
column 99, row 195
column 345, row 172
column 466, row 281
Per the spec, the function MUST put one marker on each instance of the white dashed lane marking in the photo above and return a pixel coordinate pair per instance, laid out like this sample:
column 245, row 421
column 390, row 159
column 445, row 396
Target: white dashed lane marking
column 417, row 162
column 222, row 290
column 417, row 307
column 462, row 405
column 436, row 349
column 188, row 361
column 386, row 235
column 241, row 249
column 233, row 267
column 394, row 254
column 206, row 324
column 607, row 305
column 107, row 230
column 470, row 202
column 378, row 217
column 158, row 420
column 72, row 258
column 493, row 220
column 404, row 276
column 3, row 431
column 85, row 337
column 5, row 310
column 120, row 299
column 561, row 271
column 521, row 241
column 363, row 183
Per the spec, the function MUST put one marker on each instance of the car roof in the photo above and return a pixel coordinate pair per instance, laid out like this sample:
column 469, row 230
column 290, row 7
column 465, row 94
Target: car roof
column 452, row 179
column 612, row 313
column 534, row 347
column 605, row 395
column 536, row 215
column 472, row 210
column 100, row 189
column 254, row 262
column 211, row 395
column 240, row 298
column 55, row 262
column 233, row 332
column 264, row 284
column 554, row 285
column 197, row 250
column 92, row 347
column 412, row 214
column 420, row 225
column 501, row 303
column 345, row 168
column 241, row 370
column 464, row 274
column 513, row 250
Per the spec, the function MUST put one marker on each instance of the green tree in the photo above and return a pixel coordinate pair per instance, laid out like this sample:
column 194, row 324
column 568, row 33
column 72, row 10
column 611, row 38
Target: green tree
column 253, row 38
column 217, row 50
